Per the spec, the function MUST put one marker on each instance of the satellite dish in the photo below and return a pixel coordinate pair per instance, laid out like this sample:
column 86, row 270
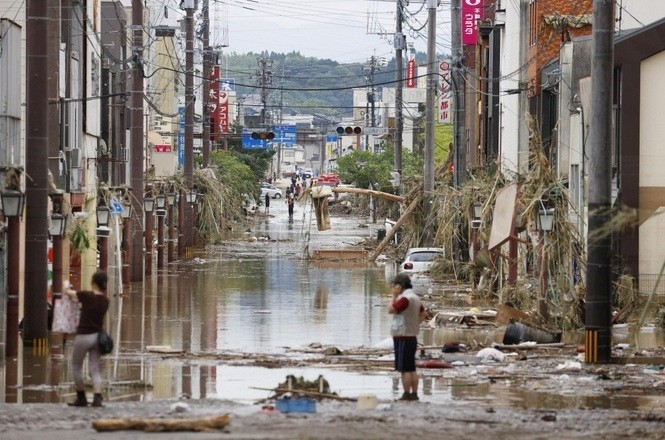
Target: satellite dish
column 103, row 148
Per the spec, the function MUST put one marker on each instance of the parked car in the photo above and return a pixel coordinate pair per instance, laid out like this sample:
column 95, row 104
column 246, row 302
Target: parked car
column 271, row 190
column 420, row 260
column 306, row 173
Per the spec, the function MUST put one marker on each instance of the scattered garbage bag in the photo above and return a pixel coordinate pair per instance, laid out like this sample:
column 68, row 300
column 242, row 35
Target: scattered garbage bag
column 491, row 354
column 516, row 333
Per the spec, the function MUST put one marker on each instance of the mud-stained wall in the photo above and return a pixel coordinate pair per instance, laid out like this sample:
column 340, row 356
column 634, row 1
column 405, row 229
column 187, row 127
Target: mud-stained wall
column 652, row 164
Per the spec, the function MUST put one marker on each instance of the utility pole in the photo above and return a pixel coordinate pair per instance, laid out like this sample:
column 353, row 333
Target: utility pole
column 400, row 45
column 186, row 241
column 459, row 154
column 37, row 224
column 207, row 64
column 598, row 333
column 432, row 81
column 264, row 80
column 136, row 146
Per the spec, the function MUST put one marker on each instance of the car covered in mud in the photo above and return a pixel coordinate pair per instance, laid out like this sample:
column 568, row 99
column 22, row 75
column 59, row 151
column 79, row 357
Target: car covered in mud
column 420, row 260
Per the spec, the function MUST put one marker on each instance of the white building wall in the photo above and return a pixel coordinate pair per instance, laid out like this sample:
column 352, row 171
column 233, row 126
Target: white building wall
column 652, row 163
column 509, row 111
column 632, row 14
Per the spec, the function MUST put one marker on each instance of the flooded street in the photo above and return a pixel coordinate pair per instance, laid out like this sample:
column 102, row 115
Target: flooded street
column 230, row 324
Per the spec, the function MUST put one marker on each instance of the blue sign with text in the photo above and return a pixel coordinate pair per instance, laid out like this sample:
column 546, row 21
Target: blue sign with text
column 181, row 137
column 253, row 144
column 285, row 134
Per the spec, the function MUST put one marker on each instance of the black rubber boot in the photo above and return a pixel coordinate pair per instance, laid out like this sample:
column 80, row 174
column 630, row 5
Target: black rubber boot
column 80, row 399
column 97, row 400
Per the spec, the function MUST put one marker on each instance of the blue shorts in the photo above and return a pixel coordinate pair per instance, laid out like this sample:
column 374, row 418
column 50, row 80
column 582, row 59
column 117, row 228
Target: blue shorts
column 405, row 353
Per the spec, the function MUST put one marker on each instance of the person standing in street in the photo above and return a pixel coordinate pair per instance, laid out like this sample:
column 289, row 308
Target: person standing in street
column 267, row 201
column 408, row 313
column 290, row 201
column 94, row 305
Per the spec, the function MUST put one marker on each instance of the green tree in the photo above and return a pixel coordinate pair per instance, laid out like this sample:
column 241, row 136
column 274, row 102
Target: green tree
column 364, row 167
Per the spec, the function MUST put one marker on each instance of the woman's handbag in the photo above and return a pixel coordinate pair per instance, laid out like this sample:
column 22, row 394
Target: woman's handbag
column 66, row 314
column 105, row 342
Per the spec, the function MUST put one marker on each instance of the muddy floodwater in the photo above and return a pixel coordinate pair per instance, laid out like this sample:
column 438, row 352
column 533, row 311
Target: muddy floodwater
column 257, row 294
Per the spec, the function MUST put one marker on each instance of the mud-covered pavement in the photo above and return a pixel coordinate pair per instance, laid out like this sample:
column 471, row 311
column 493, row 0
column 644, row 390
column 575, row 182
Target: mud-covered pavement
column 243, row 315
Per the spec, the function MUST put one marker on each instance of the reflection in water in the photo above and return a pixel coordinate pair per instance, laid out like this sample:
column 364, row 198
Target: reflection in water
column 256, row 296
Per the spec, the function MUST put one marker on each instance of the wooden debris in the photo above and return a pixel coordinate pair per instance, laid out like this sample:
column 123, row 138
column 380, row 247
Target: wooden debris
column 530, row 346
column 280, row 391
column 212, row 423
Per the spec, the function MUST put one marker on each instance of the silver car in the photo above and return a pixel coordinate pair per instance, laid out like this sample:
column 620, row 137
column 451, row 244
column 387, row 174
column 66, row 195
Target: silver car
column 272, row 191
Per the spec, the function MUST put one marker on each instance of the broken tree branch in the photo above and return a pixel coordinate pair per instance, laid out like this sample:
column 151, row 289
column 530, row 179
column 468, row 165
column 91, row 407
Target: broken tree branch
column 211, row 423
column 390, row 234
column 370, row 192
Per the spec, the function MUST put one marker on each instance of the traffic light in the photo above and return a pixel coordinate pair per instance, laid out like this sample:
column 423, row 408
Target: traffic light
column 263, row 135
column 349, row 130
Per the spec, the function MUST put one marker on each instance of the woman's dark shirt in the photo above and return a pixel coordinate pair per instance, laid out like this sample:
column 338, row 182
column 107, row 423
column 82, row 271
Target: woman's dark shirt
column 93, row 310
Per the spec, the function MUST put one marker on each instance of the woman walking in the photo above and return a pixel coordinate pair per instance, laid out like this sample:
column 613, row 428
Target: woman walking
column 94, row 305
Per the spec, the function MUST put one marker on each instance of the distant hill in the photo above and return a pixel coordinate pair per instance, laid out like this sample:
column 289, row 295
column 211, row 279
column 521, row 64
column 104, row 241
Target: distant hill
column 295, row 73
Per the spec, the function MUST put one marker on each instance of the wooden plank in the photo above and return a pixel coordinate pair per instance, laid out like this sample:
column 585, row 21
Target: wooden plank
column 211, row 423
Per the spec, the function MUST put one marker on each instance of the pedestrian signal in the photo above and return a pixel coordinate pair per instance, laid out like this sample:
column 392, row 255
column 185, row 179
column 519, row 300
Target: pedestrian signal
column 263, row 135
column 349, row 130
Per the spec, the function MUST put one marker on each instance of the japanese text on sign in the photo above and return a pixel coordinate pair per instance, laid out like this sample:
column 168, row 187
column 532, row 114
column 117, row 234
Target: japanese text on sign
column 472, row 12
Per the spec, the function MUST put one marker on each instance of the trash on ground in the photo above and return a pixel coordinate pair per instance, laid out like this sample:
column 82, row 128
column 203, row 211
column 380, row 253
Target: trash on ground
column 517, row 333
column 367, row 401
column 296, row 405
column 569, row 366
column 491, row 354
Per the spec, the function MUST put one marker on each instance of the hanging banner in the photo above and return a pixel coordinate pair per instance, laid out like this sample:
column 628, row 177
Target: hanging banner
column 445, row 93
column 181, row 136
column 223, row 111
column 213, row 103
column 411, row 73
column 472, row 12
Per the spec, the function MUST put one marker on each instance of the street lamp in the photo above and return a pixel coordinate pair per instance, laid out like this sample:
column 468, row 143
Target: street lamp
column 148, row 204
column 545, row 223
column 12, row 203
column 103, row 215
column 126, row 210
column 477, row 211
column 160, row 201
column 545, row 219
column 103, row 229
column 58, row 225
column 171, row 198
column 191, row 197
column 12, row 207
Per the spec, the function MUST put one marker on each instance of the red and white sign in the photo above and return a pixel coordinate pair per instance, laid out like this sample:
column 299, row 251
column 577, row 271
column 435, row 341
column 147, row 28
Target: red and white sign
column 445, row 93
column 223, row 111
column 214, row 103
column 162, row 148
column 411, row 73
column 472, row 12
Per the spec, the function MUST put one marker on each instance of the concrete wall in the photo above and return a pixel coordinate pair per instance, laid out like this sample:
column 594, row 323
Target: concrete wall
column 652, row 164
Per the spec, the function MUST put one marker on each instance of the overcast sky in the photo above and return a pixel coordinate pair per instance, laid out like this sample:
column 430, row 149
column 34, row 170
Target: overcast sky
column 342, row 30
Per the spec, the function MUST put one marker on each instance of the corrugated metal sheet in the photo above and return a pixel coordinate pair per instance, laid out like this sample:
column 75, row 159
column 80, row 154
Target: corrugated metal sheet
column 10, row 69
column 10, row 91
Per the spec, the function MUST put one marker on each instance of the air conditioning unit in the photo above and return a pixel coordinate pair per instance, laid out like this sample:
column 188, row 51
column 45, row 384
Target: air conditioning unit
column 76, row 158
